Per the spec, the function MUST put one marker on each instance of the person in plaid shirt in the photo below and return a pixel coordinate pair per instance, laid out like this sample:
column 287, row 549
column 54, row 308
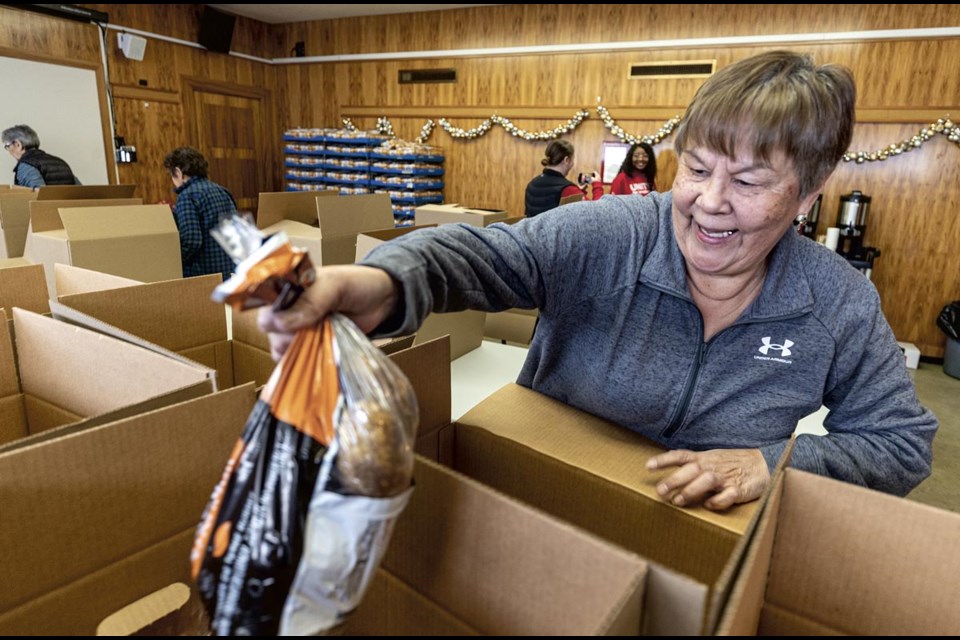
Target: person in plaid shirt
column 200, row 205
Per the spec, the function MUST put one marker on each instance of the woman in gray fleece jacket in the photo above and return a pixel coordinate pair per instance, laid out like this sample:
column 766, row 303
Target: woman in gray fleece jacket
column 697, row 317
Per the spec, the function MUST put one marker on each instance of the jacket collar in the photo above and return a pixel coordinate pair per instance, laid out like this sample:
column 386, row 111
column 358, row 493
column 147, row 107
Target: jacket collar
column 786, row 289
column 191, row 180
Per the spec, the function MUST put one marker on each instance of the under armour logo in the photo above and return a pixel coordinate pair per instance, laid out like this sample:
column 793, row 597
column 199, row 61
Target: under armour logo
column 784, row 348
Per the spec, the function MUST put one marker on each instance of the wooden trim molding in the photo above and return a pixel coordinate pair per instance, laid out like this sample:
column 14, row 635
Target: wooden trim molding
column 146, row 94
column 866, row 115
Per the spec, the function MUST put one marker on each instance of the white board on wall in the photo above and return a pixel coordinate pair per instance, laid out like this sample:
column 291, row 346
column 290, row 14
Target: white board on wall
column 62, row 105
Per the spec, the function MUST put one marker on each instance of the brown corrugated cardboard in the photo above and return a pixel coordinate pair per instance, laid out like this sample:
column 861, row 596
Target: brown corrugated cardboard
column 67, row 374
column 138, row 242
column 462, row 558
column 176, row 315
column 512, row 325
column 70, row 280
column 465, row 328
column 14, row 220
column 298, row 206
column 427, row 366
column 332, row 238
column 591, row 473
column 49, row 210
column 86, row 192
column 368, row 240
column 450, row 213
column 832, row 558
column 25, row 287
column 98, row 519
column 465, row 561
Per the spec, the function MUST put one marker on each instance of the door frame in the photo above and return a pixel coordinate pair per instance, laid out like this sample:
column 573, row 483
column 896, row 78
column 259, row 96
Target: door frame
column 190, row 85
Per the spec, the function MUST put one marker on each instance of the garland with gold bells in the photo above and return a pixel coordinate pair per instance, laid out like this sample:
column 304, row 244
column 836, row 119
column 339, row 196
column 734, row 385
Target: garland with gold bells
column 943, row 126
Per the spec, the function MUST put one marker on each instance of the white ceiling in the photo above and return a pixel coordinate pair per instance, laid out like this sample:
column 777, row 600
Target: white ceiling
column 283, row 13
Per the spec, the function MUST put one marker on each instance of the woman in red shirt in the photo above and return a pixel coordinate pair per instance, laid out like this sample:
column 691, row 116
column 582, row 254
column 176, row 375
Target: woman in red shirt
column 638, row 172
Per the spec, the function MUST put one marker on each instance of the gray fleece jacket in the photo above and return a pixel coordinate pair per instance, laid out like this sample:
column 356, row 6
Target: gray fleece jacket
column 620, row 337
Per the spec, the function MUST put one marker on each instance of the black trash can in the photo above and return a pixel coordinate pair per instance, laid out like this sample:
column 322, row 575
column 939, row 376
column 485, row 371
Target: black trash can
column 949, row 323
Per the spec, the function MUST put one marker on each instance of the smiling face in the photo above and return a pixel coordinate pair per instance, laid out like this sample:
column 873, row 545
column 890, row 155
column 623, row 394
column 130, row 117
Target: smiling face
column 640, row 158
column 729, row 213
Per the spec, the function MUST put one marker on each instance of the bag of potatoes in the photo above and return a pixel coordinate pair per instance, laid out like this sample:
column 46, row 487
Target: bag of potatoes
column 303, row 513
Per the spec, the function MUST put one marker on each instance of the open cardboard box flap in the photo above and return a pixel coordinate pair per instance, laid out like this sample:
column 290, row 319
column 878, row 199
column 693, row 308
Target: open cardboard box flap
column 24, row 286
column 174, row 314
column 87, row 372
column 14, row 221
column 86, row 191
column 451, row 213
column 56, row 377
column 833, row 558
column 591, row 473
column 69, row 316
column 71, row 280
column 296, row 206
column 48, row 211
column 336, row 222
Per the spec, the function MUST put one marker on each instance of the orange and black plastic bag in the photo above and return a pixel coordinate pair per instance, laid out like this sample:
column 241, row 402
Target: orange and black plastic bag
column 304, row 510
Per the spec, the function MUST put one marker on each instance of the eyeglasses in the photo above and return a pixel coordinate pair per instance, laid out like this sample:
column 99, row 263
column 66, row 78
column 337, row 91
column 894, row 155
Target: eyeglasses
column 7, row 145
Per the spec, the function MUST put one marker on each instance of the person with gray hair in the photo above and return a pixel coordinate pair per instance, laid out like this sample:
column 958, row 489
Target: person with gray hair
column 696, row 317
column 35, row 168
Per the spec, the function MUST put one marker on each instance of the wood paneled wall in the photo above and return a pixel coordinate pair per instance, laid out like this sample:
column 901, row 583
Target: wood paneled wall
column 511, row 25
column 903, row 85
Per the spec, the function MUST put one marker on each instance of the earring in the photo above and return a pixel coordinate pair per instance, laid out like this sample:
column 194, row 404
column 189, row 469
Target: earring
column 800, row 219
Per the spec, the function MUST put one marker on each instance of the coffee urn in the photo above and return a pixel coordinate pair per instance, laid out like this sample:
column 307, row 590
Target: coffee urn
column 852, row 221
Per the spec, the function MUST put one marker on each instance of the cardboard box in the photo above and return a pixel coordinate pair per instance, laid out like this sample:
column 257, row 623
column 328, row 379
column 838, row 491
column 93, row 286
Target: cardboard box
column 96, row 519
column 369, row 240
column 137, row 242
column 55, row 374
column 49, row 210
column 911, row 354
column 831, row 558
column 14, row 220
column 450, row 213
column 23, row 286
column 297, row 206
column 465, row 328
column 462, row 559
column 329, row 231
column 512, row 325
column 176, row 315
column 86, row 191
column 591, row 473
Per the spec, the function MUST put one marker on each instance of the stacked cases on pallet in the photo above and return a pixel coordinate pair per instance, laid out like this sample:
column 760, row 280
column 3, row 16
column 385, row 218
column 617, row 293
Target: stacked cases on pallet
column 354, row 162
column 410, row 173
column 338, row 159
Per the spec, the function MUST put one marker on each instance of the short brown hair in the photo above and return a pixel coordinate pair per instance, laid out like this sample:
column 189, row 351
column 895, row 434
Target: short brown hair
column 190, row 161
column 776, row 101
column 557, row 151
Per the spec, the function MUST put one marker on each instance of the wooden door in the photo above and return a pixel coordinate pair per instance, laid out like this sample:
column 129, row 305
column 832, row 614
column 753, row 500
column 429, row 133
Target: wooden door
column 228, row 124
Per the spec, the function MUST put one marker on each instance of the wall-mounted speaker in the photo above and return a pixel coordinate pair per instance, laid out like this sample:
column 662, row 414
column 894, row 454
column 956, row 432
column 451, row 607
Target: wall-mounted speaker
column 132, row 46
column 216, row 30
